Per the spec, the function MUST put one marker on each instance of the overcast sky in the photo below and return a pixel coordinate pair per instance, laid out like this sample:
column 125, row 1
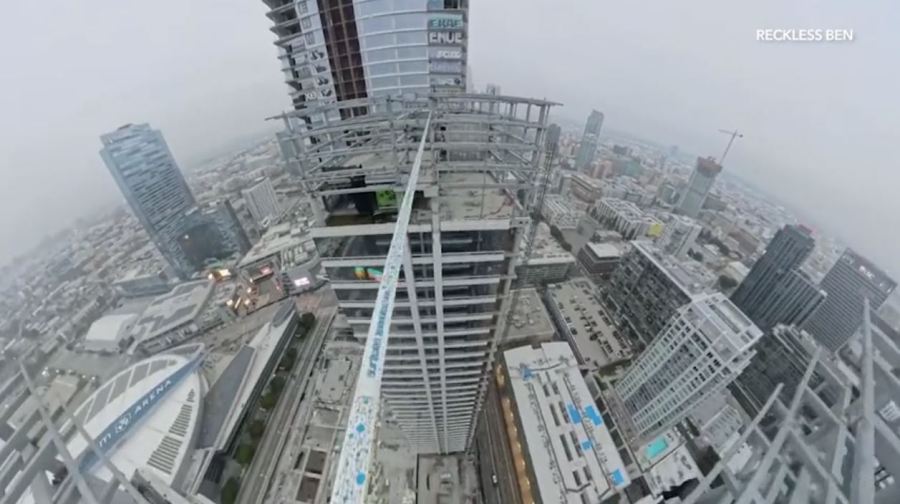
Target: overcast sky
column 822, row 121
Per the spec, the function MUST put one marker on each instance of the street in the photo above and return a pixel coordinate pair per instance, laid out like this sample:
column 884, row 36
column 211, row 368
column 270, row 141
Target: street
column 256, row 479
column 494, row 455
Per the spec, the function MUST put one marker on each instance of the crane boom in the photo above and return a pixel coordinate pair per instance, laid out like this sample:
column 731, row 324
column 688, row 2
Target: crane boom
column 356, row 453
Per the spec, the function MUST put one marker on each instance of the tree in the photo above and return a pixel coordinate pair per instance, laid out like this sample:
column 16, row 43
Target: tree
column 256, row 429
column 268, row 401
column 230, row 490
column 726, row 283
column 307, row 320
column 245, row 454
column 277, row 385
column 287, row 362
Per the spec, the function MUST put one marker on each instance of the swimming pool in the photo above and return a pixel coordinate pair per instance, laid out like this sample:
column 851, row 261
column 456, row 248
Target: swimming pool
column 656, row 447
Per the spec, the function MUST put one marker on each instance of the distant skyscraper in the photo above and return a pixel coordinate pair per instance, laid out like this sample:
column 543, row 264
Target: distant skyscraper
column 785, row 253
column 213, row 232
column 852, row 279
column 338, row 50
column 679, row 235
column 647, row 288
column 791, row 301
column 705, row 345
column 698, row 187
column 589, row 141
column 262, row 201
column 143, row 167
column 782, row 356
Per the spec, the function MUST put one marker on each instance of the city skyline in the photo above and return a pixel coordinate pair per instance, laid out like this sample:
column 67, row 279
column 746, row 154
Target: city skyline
column 400, row 284
column 185, row 110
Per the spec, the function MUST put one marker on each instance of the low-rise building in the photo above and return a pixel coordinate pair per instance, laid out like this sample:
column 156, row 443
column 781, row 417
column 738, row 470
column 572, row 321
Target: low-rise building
column 587, row 189
column 110, row 333
column 569, row 455
column 285, row 253
column 599, row 260
column 560, row 212
column 582, row 320
column 529, row 322
column 147, row 278
column 174, row 318
column 626, row 218
column 549, row 262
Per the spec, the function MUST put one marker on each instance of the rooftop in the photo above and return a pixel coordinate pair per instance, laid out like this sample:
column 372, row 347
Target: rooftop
column 529, row 318
column 109, row 328
column 178, row 307
column 141, row 270
column 628, row 211
column 568, row 443
column 159, row 437
column 687, row 276
column 604, row 250
column 291, row 240
column 592, row 329
column 546, row 248
column 474, row 199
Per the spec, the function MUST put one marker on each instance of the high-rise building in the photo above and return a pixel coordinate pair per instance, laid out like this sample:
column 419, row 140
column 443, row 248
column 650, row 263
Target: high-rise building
column 836, row 434
column 786, row 252
column 851, row 279
column 698, row 187
column 679, row 236
column 589, row 141
column 149, row 178
column 262, row 202
column 468, row 218
column 791, row 301
column 340, row 50
column 648, row 287
column 782, row 356
column 701, row 350
column 213, row 232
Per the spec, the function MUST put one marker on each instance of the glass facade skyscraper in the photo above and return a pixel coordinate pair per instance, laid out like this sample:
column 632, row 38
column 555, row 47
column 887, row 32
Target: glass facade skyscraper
column 589, row 141
column 340, row 50
column 142, row 165
column 699, row 185
column 851, row 279
column 773, row 292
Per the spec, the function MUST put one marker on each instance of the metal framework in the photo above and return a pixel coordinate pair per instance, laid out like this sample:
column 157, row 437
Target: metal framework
column 819, row 448
column 32, row 463
column 465, row 165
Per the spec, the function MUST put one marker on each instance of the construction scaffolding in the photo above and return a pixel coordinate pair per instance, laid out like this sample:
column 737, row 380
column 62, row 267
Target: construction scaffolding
column 465, row 166
column 818, row 446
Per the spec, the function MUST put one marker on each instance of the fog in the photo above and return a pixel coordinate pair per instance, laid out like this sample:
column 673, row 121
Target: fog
column 822, row 121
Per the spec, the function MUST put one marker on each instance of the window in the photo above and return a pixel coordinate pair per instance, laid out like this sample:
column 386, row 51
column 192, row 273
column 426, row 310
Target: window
column 381, row 55
column 377, row 24
column 410, row 21
column 384, row 40
column 414, row 80
column 382, row 69
column 412, row 52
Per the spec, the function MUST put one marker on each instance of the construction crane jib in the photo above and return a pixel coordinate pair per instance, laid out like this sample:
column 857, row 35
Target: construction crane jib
column 356, row 452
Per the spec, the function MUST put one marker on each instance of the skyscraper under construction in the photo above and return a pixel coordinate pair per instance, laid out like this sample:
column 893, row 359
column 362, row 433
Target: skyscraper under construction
column 480, row 156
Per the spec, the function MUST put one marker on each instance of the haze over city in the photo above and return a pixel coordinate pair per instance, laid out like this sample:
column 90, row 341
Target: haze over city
column 449, row 252
column 821, row 120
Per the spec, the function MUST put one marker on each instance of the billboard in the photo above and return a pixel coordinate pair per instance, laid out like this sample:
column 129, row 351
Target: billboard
column 450, row 21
